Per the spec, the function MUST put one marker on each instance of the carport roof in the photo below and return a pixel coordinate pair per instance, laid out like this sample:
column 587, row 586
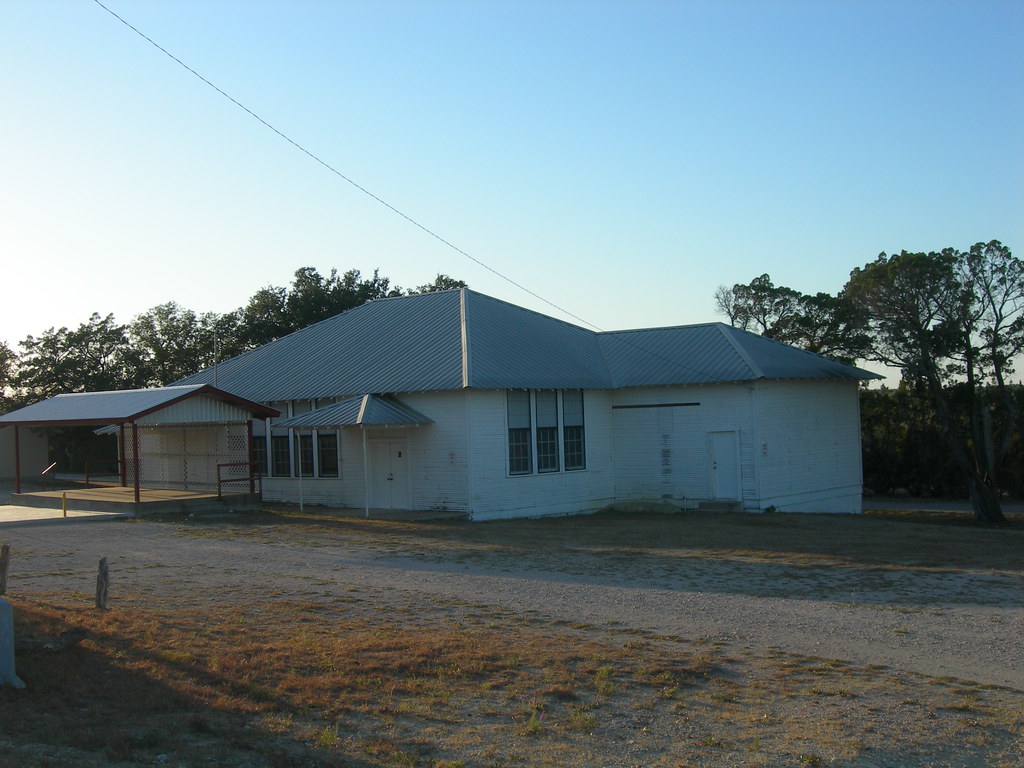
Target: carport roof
column 120, row 407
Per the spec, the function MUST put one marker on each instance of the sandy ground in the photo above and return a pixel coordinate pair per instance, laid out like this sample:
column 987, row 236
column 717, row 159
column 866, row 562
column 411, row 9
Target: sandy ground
column 943, row 624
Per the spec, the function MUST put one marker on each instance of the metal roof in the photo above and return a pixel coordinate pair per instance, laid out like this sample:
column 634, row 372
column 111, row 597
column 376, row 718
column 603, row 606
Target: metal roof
column 456, row 339
column 368, row 410
column 712, row 353
column 119, row 407
column 407, row 344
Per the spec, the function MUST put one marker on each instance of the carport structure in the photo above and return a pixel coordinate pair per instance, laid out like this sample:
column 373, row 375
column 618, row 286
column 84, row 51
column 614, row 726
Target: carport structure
column 178, row 437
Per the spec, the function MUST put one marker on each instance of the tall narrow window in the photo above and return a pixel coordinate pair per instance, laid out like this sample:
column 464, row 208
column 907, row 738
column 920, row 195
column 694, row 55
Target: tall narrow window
column 280, row 459
column 520, row 460
column 259, row 453
column 572, row 427
column 547, row 430
column 304, row 454
column 327, row 453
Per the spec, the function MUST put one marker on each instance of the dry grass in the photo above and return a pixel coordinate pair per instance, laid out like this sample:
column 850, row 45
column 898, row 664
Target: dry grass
column 304, row 683
column 369, row 678
column 879, row 538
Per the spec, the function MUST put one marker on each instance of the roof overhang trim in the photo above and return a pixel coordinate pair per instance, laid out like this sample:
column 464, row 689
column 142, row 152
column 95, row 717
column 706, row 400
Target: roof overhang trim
column 123, row 412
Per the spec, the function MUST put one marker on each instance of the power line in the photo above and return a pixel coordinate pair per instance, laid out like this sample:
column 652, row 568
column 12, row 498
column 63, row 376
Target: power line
column 338, row 173
column 618, row 336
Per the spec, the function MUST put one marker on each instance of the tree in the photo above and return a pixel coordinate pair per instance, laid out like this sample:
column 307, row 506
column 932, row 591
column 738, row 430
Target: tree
column 952, row 319
column 820, row 323
column 441, row 283
column 169, row 342
column 274, row 312
column 7, row 366
column 94, row 357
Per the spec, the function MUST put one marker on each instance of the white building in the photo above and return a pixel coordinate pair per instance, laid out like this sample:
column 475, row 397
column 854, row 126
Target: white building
column 458, row 401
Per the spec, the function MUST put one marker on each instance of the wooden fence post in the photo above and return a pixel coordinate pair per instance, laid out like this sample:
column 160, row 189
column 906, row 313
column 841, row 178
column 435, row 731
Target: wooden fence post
column 102, row 584
column 5, row 558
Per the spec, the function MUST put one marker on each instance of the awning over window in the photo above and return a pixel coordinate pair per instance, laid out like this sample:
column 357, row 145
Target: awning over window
column 364, row 410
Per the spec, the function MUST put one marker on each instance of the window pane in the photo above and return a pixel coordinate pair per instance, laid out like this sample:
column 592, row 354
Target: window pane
column 304, row 454
column 259, row 453
column 327, row 453
column 280, row 463
column 575, row 453
column 547, row 449
column 519, row 460
column 572, row 407
column 573, row 435
column 547, row 408
column 520, row 457
column 519, row 409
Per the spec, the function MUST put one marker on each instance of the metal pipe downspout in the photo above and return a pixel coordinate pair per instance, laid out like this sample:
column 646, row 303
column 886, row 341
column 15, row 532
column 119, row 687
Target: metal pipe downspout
column 17, row 460
column 297, row 463
column 366, row 473
column 250, row 457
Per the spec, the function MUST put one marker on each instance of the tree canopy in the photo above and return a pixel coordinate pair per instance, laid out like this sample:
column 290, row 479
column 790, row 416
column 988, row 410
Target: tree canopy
column 820, row 323
column 93, row 357
column 953, row 319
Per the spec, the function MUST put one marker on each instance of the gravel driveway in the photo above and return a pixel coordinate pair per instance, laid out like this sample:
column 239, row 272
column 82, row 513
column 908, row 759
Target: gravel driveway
column 965, row 626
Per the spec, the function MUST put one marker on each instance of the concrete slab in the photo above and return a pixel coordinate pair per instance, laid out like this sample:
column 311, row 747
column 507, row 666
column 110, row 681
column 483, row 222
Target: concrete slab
column 13, row 514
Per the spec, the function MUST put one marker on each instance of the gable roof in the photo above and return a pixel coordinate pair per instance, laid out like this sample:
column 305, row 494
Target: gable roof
column 458, row 339
column 119, row 407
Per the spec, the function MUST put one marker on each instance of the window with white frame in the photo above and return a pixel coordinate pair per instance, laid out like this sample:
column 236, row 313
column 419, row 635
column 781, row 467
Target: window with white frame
column 302, row 451
column 573, row 444
column 309, row 453
column 259, row 453
column 327, row 453
column 546, row 403
column 280, row 455
column 547, row 424
column 520, row 455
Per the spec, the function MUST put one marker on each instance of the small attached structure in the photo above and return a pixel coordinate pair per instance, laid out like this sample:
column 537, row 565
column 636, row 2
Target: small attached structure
column 182, row 437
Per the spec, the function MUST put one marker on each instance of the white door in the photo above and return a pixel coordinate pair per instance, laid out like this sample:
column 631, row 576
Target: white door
column 725, row 465
column 389, row 477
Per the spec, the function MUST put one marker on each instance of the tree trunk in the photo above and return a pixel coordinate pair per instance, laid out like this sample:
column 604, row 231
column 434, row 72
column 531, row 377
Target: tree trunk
column 984, row 496
column 985, row 499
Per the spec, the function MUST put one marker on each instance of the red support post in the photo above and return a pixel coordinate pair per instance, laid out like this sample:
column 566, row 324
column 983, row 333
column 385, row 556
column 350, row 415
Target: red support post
column 135, row 458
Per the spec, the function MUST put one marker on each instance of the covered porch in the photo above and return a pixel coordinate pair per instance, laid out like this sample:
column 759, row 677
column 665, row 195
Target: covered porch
column 382, row 425
column 174, row 444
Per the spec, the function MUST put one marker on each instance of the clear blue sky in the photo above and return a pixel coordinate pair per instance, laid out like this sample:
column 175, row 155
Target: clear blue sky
column 620, row 159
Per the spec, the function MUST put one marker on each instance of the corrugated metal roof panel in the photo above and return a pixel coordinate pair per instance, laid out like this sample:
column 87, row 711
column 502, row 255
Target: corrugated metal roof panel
column 514, row 348
column 782, row 361
column 98, row 407
column 696, row 354
column 114, row 407
column 407, row 344
column 368, row 410
column 709, row 353
column 415, row 344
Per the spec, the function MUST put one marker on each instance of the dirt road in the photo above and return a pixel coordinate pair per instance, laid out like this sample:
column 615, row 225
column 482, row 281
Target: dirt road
column 965, row 625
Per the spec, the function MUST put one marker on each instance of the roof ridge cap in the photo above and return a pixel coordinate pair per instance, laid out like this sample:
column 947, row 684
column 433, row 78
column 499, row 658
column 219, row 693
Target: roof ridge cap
column 464, row 336
column 726, row 331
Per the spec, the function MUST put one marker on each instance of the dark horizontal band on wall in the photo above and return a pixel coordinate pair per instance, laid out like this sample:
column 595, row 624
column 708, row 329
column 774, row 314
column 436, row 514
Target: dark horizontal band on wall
column 655, row 405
